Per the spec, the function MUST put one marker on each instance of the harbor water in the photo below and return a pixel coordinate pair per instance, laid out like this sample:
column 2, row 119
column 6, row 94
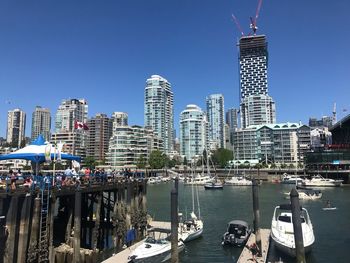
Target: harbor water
column 218, row 207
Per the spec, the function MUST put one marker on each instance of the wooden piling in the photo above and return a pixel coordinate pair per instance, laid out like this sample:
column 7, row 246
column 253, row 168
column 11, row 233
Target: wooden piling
column 3, row 236
column 52, row 206
column 77, row 226
column 174, row 227
column 11, row 223
column 34, row 233
column 95, row 231
column 24, row 229
column 256, row 214
column 298, row 232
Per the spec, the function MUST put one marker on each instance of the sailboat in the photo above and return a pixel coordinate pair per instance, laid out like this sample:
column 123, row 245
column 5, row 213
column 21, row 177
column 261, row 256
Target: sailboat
column 215, row 183
column 192, row 228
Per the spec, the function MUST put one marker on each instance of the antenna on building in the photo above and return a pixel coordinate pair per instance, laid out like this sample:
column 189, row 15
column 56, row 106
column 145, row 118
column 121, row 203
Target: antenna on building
column 253, row 24
column 334, row 113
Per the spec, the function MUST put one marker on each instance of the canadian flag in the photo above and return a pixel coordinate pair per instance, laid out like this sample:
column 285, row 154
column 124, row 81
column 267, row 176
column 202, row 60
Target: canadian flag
column 80, row 126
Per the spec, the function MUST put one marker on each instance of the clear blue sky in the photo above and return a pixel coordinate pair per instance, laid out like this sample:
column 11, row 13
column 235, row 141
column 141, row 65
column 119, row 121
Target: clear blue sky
column 105, row 50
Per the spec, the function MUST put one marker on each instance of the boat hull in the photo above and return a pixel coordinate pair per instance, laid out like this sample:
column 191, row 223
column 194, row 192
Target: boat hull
column 193, row 236
column 162, row 257
column 288, row 250
column 210, row 187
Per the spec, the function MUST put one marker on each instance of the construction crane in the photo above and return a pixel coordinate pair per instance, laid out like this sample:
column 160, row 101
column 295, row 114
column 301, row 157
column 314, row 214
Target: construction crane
column 253, row 24
column 237, row 24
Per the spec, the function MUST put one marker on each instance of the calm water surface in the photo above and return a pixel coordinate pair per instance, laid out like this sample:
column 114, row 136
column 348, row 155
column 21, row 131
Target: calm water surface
column 218, row 207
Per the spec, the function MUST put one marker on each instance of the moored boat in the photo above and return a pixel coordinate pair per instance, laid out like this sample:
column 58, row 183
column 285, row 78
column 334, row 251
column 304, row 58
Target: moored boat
column 238, row 181
column 190, row 229
column 319, row 181
column 214, row 186
column 307, row 195
column 282, row 232
column 154, row 249
column 237, row 234
column 291, row 179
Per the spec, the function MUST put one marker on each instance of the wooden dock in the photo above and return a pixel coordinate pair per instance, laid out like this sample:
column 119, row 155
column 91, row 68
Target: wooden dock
column 122, row 257
column 246, row 254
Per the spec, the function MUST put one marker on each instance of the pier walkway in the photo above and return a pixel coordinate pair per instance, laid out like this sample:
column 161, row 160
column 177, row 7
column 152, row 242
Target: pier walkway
column 246, row 254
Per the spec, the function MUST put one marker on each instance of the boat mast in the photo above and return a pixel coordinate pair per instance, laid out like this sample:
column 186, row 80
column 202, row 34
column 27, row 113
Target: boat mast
column 192, row 186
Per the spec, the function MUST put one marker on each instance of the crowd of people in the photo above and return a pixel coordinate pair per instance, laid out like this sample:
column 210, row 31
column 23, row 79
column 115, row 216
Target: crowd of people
column 69, row 177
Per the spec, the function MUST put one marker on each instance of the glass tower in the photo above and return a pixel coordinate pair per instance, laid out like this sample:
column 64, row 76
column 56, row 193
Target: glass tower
column 216, row 120
column 193, row 132
column 159, row 109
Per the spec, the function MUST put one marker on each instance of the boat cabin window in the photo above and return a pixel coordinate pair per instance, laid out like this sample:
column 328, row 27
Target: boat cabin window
column 237, row 230
column 150, row 240
column 286, row 219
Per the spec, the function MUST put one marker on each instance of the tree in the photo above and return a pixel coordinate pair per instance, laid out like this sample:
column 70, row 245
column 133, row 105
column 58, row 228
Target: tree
column 222, row 156
column 172, row 163
column 90, row 162
column 141, row 162
column 185, row 161
column 291, row 166
column 283, row 166
column 157, row 160
column 273, row 166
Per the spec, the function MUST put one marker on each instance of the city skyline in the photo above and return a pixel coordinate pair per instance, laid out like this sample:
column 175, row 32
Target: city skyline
column 98, row 52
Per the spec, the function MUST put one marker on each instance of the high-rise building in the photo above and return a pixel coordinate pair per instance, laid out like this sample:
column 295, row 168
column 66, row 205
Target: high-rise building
column 69, row 112
column 16, row 123
column 325, row 121
column 119, row 119
column 159, row 109
column 232, row 122
column 256, row 106
column 130, row 144
column 232, row 118
column 253, row 57
column 41, row 123
column 257, row 110
column 216, row 120
column 283, row 143
column 193, row 132
column 99, row 134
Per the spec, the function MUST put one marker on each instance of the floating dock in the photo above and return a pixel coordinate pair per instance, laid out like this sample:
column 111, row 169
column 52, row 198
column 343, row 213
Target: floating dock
column 246, row 254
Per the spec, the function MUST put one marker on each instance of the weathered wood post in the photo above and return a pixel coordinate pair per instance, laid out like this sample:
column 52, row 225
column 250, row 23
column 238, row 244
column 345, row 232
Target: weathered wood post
column 2, row 237
column 298, row 232
column 256, row 211
column 96, row 230
column 24, row 229
column 77, row 226
column 52, row 207
column 11, row 220
column 174, row 225
column 34, row 233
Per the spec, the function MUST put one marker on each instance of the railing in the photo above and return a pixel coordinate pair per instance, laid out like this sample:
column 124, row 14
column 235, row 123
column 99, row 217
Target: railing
column 31, row 183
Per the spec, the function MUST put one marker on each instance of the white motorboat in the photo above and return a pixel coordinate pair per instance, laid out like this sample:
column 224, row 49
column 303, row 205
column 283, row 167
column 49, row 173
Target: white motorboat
column 307, row 195
column 190, row 229
column 238, row 181
column 282, row 232
column 291, row 179
column 237, row 234
column 153, row 250
column 319, row 181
